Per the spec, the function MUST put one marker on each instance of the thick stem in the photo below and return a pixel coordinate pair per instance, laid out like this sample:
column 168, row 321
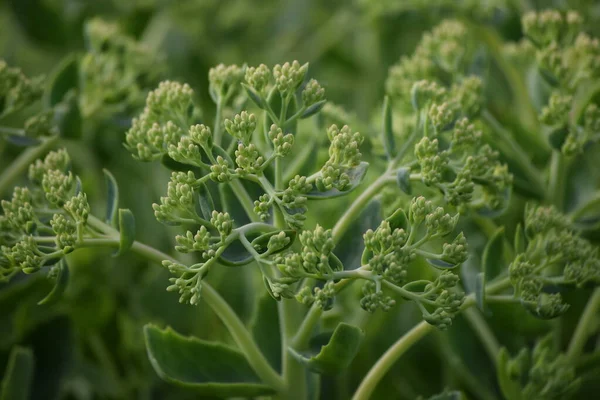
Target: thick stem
column 218, row 132
column 242, row 194
column 16, row 168
column 232, row 322
column 515, row 152
column 482, row 329
column 389, row 358
column 556, row 180
column 586, row 322
column 359, row 204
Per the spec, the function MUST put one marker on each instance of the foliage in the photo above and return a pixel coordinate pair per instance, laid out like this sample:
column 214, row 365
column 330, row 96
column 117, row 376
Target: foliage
column 312, row 247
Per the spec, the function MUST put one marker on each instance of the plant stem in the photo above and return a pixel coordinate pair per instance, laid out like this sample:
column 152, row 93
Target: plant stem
column 556, row 181
column 242, row 194
column 513, row 149
column 232, row 322
column 586, row 322
column 482, row 329
column 16, row 168
column 300, row 340
column 359, row 204
column 218, row 132
column 382, row 366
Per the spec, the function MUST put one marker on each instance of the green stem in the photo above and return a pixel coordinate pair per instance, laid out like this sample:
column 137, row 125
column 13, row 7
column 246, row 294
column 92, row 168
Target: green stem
column 556, row 181
column 359, row 204
column 16, row 168
column 300, row 340
column 462, row 372
column 482, row 329
column 587, row 321
column 389, row 358
column 242, row 194
column 218, row 132
column 515, row 152
column 232, row 322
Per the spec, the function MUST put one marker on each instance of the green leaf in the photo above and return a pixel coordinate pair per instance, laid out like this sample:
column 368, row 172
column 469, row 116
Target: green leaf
column 265, row 330
column 254, row 96
column 204, row 202
column 313, row 109
column 126, row 229
column 332, row 353
column 67, row 117
column 18, row 377
column 448, row 395
column 492, row 260
column 441, row 264
column 403, row 179
column 511, row 389
column 587, row 216
column 210, row 368
column 112, row 197
column 398, row 220
column 62, row 279
column 389, row 143
column 520, row 239
column 173, row 165
column 557, row 137
column 480, row 291
column 23, row 141
column 64, row 78
column 356, row 176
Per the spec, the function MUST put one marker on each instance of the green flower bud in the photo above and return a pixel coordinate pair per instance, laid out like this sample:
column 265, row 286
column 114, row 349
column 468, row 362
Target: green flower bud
column 222, row 223
column 258, row 77
column 220, row 172
column 57, row 186
column 242, row 126
column 201, row 135
column 282, row 143
column 312, row 93
column 189, row 242
column 224, row 78
column 78, row 207
column 248, row 159
column 289, row 76
column 65, row 231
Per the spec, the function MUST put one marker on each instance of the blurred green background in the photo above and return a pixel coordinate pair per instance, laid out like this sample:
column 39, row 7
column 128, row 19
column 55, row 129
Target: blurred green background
column 90, row 345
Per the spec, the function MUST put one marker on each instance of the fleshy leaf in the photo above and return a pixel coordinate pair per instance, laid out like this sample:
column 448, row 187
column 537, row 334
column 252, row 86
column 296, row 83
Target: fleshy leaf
column 210, row 368
column 492, row 260
column 356, row 176
column 511, row 388
column 441, row 264
column 173, row 165
column 112, row 197
column 62, row 279
column 254, row 96
column 403, row 179
column 18, row 377
column 64, row 78
column 334, row 352
column 389, row 143
column 22, row 140
column 67, row 117
column 313, row 109
column 448, row 395
column 265, row 330
column 204, row 202
column 398, row 220
column 480, row 291
column 126, row 229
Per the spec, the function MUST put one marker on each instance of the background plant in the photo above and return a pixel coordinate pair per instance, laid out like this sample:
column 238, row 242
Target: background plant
column 457, row 229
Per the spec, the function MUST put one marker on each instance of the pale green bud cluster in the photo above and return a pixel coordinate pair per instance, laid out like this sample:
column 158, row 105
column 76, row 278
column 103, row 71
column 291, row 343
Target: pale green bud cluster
column 313, row 93
column 242, row 126
column 116, row 71
column 165, row 119
column 224, row 80
column 344, row 154
column 16, row 89
column 445, row 50
column 282, row 144
column 542, row 372
column 553, row 246
column 465, row 168
column 258, row 77
column 288, row 77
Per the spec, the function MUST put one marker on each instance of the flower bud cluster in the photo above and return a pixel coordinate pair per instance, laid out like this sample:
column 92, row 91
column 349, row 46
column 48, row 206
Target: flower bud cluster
column 344, row 155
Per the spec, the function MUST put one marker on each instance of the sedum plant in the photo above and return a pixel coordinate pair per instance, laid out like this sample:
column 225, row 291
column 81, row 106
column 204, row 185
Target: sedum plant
column 446, row 209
